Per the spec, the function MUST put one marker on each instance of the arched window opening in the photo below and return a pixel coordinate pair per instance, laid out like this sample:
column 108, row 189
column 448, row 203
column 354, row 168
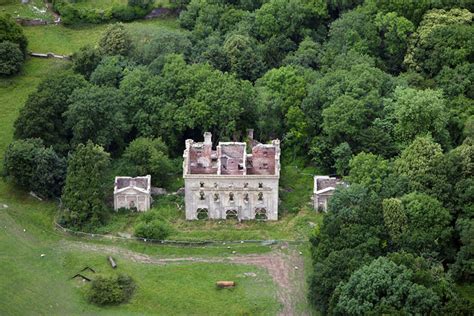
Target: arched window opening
column 202, row 213
column 231, row 214
column 261, row 214
column 260, row 196
column 202, row 196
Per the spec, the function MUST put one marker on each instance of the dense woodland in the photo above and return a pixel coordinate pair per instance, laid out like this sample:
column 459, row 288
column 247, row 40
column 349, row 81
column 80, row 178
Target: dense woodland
column 378, row 92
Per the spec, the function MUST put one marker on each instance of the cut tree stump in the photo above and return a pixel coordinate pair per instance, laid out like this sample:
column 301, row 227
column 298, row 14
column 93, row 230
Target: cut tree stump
column 225, row 284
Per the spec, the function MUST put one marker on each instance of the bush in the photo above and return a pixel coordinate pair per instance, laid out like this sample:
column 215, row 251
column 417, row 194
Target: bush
column 11, row 58
column 111, row 290
column 34, row 167
column 155, row 229
column 115, row 40
column 12, row 32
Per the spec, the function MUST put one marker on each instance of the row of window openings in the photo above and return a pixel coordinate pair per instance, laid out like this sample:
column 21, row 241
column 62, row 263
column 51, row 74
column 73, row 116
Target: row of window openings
column 260, row 214
column 246, row 185
column 202, row 196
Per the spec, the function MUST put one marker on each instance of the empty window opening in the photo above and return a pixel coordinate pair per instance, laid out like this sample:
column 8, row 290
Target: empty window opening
column 231, row 214
column 202, row 196
column 261, row 214
column 216, row 197
column 246, row 197
column 231, row 196
column 202, row 213
column 260, row 196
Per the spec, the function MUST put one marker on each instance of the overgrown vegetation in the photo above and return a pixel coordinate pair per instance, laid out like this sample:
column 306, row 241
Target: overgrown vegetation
column 377, row 92
column 13, row 45
column 111, row 290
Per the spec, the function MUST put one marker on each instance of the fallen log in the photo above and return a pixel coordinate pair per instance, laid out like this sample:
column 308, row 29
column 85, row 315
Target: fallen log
column 112, row 262
column 225, row 284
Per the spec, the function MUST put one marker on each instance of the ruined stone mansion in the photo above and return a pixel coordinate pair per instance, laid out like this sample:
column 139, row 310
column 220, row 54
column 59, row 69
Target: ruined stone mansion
column 230, row 183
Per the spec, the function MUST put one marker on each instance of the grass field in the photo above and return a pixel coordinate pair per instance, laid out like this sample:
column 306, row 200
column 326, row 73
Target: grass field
column 35, row 9
column 31, row 285
column 66, row 40
column 106, row 4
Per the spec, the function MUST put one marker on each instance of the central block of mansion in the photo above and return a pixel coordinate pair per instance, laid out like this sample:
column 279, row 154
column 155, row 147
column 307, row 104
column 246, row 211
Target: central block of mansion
column 229, row 183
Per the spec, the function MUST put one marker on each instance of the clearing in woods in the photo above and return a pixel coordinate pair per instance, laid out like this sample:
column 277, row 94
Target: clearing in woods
column 284, row 264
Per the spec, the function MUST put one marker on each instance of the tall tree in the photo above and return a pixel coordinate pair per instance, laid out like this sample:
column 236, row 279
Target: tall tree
column 97, row 114
column 244, row 57
column 279, row 91
column 444, row 38
column 42, row 115
column 419, row 112
column 368, row 170
column 419, row 162
column 384, row 287
column 84, row 194
column 149, row 156
column 428, row 228
column 115, row 41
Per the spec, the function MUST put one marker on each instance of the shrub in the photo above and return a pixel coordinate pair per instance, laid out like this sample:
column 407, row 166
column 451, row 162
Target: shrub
column 111, row 290
column 11, row 58
column 155, row 229
column 115, row 40
column 34, row 167
column 12, row 32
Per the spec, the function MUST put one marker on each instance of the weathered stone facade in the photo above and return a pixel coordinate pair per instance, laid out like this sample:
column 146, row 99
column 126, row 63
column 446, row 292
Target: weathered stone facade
column 229, row 183
column 132, row 193
column 324, row 187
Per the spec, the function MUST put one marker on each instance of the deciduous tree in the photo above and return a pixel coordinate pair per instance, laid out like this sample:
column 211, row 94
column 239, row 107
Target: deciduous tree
column 84, row 192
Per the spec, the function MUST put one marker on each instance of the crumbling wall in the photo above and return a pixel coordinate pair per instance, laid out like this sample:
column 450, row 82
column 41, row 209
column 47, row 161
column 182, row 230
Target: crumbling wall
column 262, row 160
column 231, row 158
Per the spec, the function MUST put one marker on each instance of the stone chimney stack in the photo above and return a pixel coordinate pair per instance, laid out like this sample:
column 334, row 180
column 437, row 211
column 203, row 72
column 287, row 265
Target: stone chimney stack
column 250, row 134
column 207, row 138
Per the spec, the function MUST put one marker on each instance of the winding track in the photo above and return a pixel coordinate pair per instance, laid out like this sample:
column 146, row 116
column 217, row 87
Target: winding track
column 279, row 264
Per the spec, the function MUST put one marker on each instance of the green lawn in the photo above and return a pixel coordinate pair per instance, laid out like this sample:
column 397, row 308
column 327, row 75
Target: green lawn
column 32, row 285
column 66, row 40
column 35, row 9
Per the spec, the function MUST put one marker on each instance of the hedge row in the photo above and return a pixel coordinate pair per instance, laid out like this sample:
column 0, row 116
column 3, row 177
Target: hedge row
column 71, row 14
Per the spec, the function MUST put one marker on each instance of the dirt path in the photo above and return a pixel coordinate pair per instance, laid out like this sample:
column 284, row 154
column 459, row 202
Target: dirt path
column 285, row 266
